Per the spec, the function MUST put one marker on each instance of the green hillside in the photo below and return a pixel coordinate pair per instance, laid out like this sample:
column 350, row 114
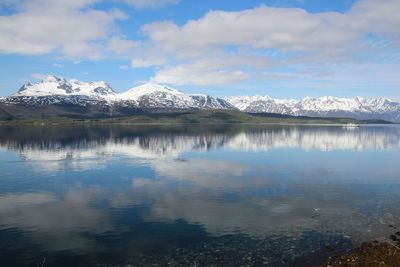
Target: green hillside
column 12, row 114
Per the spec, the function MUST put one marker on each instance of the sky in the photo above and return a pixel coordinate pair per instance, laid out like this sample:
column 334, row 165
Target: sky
column 281, row 48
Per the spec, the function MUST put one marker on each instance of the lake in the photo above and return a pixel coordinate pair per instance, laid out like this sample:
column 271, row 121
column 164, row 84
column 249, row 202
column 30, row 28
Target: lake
column 194, row 195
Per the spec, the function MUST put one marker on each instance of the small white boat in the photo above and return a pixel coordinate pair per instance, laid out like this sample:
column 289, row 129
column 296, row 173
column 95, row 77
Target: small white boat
column 351, row 126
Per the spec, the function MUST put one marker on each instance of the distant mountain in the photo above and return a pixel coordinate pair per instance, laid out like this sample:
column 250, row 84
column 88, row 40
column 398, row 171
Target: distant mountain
column 327, row 106
column 54, row 90
column 99, row 99
column 53, row 85
column 154, row 96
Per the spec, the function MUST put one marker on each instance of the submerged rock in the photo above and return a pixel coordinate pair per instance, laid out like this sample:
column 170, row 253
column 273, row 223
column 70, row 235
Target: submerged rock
column 241, row 250
column 369, row 254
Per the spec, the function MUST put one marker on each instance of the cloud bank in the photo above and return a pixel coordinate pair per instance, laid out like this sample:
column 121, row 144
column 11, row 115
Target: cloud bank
column 222, row 47
column 287, row 35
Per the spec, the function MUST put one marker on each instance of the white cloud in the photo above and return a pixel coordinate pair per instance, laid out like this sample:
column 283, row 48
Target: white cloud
column 292, row 36
column 57, row 65
column 140, row 4
column 286, row 29
column 222, row 47
column 147, row 62
column 46, row 26
column 181, row 76
column 124, row 67
column 378, row 17
column 122, row 46
column 211, row 71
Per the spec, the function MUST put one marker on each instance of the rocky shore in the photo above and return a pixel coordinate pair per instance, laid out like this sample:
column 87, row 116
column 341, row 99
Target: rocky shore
column 376, row 253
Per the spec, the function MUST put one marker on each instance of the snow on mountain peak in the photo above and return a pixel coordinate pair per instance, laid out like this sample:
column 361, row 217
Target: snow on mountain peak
column 150, row 88
column 53, row 78
column 326, row 106
column 53, row 85
column 155, row 96
column 151, row 95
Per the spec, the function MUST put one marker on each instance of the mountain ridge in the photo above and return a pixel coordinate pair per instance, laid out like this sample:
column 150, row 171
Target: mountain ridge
column 58, row 91
column 53, row 90
column 327, row 106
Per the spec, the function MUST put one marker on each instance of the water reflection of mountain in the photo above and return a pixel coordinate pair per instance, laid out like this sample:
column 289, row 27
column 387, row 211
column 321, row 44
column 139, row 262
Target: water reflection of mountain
column 318, row 138
column 149, row 142
column 217, row 193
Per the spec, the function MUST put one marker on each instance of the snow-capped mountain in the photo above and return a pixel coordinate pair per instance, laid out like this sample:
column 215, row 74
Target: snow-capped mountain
column 155, row 96
column 54, row 90
column 327, row 106
column 102, row 98
column 53, row 85
column 152, row 95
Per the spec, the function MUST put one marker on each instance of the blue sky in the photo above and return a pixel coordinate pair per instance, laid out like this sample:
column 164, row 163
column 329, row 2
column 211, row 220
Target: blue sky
column 281, row 48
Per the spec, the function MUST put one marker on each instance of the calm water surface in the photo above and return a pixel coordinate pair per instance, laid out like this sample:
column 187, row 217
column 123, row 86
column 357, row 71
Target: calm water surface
column 194, row 195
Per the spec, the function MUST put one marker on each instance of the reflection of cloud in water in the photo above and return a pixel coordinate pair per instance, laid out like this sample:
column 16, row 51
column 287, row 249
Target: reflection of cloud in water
column 57, row 223
column 256, row 204
column 199, row 198
column 204, row 172
column 221, row 195
column 229, row 203
column 319, row 209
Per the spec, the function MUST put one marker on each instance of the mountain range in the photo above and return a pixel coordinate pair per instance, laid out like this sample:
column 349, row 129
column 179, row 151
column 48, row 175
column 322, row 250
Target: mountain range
column 99, row 96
